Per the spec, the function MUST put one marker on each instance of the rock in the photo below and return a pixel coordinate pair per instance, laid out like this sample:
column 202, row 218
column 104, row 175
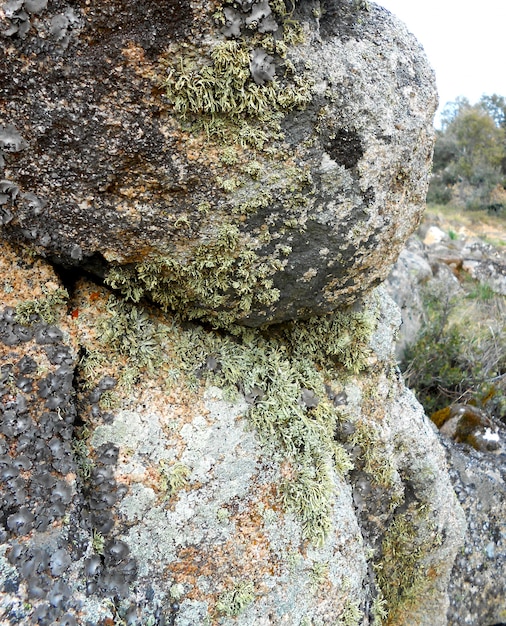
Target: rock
column 259, row 178
column 259, row 478
column 491, row 274
column 469, row 424
column 434, row 235
column 405, row 284
column 477, row 584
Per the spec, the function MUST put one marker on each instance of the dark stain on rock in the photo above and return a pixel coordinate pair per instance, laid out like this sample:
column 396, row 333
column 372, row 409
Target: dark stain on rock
column 345, row 148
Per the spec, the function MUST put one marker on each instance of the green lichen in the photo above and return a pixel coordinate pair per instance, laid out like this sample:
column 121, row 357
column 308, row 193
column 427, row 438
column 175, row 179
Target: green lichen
column 275, row 371
column 379, row 611
column 133, row 333
column 282, row 373
column 47, row 308
column 90, row 366
column 82, row 457
column 234, row 601
column 351, row 615
column 173, row 478
column 212, row 89
column 318, row 575
column 222, row 276
column 97, row 542
column 338, row 338
column 378, row 461
column 109, row 400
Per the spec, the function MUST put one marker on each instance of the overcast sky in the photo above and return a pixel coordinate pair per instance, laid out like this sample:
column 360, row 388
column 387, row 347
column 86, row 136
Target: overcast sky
column 465, row 43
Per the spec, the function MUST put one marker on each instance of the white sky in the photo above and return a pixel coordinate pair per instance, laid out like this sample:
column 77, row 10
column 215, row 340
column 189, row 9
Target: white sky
column 464, row 41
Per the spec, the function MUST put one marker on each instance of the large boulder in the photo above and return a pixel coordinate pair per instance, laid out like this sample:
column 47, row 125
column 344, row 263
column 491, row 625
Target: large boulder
column 239, row 162
column 159, row 472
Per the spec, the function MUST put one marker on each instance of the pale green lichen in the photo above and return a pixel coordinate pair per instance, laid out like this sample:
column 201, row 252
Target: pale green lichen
column 351, row 615
column 234, row 601
column 133, row 333
column 82, row 457
column 97, row 542
column 212, row 88
column 379, row 611
column 280, row 372
column 273, row 371
column 47, row 308
column 222, row 276
column 173, row 478
column 403, row 573
column 318, row 575
column 90, row 365
column 378, row 461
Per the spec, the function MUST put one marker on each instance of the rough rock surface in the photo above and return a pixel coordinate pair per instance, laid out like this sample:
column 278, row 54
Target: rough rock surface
column 252, row 164
column 186, row 476
column 477, row 584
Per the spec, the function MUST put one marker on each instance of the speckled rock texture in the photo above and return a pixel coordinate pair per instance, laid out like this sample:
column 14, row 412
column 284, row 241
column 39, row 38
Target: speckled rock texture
column 235, row 162
column 477, row 584
column 156, row 471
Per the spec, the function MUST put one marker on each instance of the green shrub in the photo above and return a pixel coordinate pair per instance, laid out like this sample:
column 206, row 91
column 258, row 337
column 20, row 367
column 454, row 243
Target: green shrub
column 460, row 353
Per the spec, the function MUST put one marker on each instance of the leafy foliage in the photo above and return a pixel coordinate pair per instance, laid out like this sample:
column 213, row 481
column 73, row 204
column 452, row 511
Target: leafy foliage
column 470, row 154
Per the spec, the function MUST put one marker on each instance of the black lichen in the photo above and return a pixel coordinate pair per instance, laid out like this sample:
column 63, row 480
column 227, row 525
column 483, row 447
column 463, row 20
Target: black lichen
column 10, row 138
column 345, row 147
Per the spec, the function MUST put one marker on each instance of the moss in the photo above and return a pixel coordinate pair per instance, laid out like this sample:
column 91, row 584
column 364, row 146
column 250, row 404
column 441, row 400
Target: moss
column 403, row 574
column 234, row 601
column 46, row 308
column 222, row 276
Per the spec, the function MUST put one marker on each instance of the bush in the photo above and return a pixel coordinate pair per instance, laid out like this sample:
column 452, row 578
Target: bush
column 460, row 353
column 469, row 154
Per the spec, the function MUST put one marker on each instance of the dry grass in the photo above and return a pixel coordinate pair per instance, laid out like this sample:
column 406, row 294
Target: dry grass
column 489, row 227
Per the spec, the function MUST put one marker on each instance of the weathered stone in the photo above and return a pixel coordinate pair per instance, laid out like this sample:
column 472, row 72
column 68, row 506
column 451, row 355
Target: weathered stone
column 143, row 147
column 263, row 478
column 477, row 585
